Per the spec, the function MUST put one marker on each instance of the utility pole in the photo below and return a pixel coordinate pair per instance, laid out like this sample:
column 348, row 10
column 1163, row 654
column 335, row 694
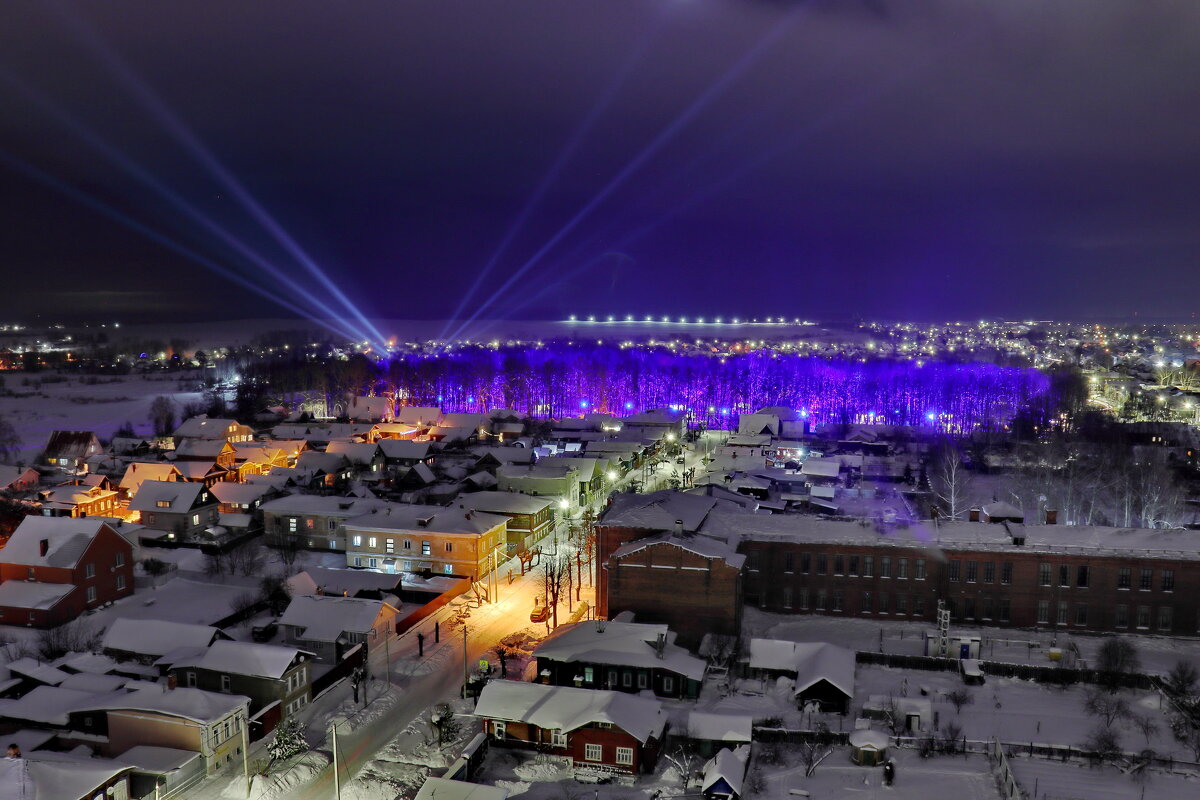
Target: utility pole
column 245, row 723
column 337, row 781
column 466, row 668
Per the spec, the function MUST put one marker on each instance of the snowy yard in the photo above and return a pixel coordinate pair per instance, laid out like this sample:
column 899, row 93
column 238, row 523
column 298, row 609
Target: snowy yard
column 958, row 777
column 1054, row 780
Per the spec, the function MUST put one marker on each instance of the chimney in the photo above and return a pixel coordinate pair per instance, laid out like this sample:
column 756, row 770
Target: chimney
column 973, row 515
column 660, row 645
column 679, row 527
column 1051, row 516
column 43, row 547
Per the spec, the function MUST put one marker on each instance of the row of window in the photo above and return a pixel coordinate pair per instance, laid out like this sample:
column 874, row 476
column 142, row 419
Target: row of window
column 405, row 566
column 854, row 566
column 1143, row 616
column 871, row 602
column 956, row 573
column 390, row 544
column 1082, row 577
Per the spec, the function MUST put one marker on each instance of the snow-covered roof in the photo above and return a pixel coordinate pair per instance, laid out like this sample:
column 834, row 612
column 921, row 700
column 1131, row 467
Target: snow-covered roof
column 711, row 726
column 48, row 705
column 197, row 470
column 157, row 760
column 357, row 453
column 203, row 427
column 179, row 496
column 446, row 789
column 193, row 704
column 33, row 594
column 140, row 471
column 419, row 415
column 1003, row 510
column 47, row 776
column 247, row 658
column 201, row 449
column 821, row 467
column 869, row 738
column 404, row 448
column 92, row 663
column 809, row 661
column 323, row 505
column 239, row 493
column 411, row 517
column 338, row 581
column 658, row 510
column 504, row 502
column 706, row 546
column 325, row 619
column 67, row 539
column 156, row 637
column 10, row 474
column 727, row 765
column 40, row 672
column 624, row 643
column 91, row 682
column 566, row 709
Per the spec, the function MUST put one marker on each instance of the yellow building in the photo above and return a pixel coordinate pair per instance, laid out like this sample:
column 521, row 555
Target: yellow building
column 413, row 538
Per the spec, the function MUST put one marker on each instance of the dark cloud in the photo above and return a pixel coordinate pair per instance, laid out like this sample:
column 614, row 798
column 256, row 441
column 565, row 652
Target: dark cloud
column 921, row 158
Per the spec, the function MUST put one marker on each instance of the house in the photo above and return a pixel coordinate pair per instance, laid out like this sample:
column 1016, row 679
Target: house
column 213, row 724
column 822, row 471
column 398, row 537
column 208, row 473
column 203, row 427
column 625, row 656
column 725, row 773
column 529, row 518
column 61, row 777
column 345, row 583
column 261, row 456
column 182, row 509
column 711, row 731
column 55, row 568
column 140, row 471
column 312, row 521
column 262, row 672
column 77, row 500
column 149, row 640
column 131, row 446
column 241, row 498
column 419, row 416
column 366, row 457
column 823, row 673
column 370, row 409
column 207, row 451
column 395, row 431
column 69, row 450
column 405, row 453
column 548, row 477
column 324, row 470
column 600, row 731
column 17, row 479
column 329, row 626
column 998, row 511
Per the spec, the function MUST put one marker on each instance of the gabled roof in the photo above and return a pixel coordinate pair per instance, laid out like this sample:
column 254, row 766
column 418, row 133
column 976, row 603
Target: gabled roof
column 42, row 673
column 46, row 704
column 821, row 467
column 243, row 493
column 1003, row 510
column 180, row 496
column 504, row 502
column 718, row 727
column 314, row 461
column 325, row 619
column 140, row 471
column 728, row 766
column 567, row 709
column 404, row 448
column 202, row 449
column 203, row 427
column 630, row 644
column 658, row 511
column 409, row 517
column 194, row 704
column 812, row 662
column 704, row 546
column 324, row 505
column 67, row 539
column 246, row 658
column 423, row 416
column 198, row 470
column 71, row 444
column 338, row 581
column 156, row 637
column 357, row 453
column 10, row 475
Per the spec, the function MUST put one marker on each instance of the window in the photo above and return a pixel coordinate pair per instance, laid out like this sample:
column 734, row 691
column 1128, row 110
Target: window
column 920, row 571
column 91, row 594
column 1167, row 580
column 408, row 544
column 373, row 542
column 885, row 566
column 820, row 604
column 804, row 562
column 1143, row 616
column 389, row 545
column 866, row 603
column 853, row 565
column 89, row 570
column 1006, row 572
column 333, row 544
column 918, row 606
column 668, row 684
column 972, row 571
column 1062, row 614
column 822, row 564
column 120, row 583
column 593, row 752
column 1121, row 617
column 989, row 572
column 225, row 683
column 167, row 504
column 954, row 570
column 332, row 524
column 627, row 679
column 839, row 565
column 643, row 680
column 612, row 679
column 989, row 607
column 309, row 523
column 969, row 607
column 902, row 568
column 448, row 569
column 189, row 679
column 1082, row 576
column 1164, row 618
column 358, row 561
column 901, row 604
column 789, row 562
column 1147, row 580
column 839, row 600
column 868, row 566
column 558, row 739
column 372, row 562
column 1123, row 581
column 498, row 729
column 1081, row 614
column 1043, row 612
column 883, row 602
column 449, row 547
column 804, row 599
column 787, row 596
column 753, row 559
column 1005, row 609
column 1064, row 575
column 1043, row 574
column 625, row 755
column 195, row 519
column 356, row 541
column 426, row 548
column 120, row 559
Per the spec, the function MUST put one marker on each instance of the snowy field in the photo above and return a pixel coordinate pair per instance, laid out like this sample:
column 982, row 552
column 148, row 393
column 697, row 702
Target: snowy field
column 1053, row 780
column 35, row 407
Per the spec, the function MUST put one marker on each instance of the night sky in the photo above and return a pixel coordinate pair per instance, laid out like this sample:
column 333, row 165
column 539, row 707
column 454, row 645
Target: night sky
column 917, row 159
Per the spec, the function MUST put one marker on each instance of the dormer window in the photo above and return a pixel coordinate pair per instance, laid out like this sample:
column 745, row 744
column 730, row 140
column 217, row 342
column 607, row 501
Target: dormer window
column 163, row 503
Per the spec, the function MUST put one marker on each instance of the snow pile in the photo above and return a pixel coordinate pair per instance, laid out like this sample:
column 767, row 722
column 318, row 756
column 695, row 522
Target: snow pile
column 539, row 771
column 283, row 781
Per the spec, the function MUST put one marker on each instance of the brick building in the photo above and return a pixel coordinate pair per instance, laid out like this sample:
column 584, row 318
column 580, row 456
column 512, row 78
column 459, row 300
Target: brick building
column 54, row 568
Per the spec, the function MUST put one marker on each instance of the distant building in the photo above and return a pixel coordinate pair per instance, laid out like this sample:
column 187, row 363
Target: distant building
column 180, row 508
column 70, row 450
column 399, row 537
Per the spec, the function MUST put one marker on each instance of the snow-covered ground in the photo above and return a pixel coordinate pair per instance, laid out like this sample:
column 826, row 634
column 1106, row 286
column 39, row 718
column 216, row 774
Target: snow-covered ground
column 958, row 777
column 38, row 403
column 1056, row 780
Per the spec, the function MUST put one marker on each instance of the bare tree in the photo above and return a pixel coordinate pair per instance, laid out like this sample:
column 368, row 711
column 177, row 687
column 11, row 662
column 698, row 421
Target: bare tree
column 1107, row 707
column 10, row 442
column 162, row 415
column 951, row 733
column 1145, row 725
column 1103, row 743
column 684, row 758
column 1181, row 680
column 812, row 751
column 555, row 571
column 950, row 480
column 73, row 637
column 1118, row 657
column 960, row 697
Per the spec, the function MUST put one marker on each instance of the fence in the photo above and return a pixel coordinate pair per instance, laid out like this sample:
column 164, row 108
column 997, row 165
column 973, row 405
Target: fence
column 1063, row 676
column 353, row 658
column 1009, row 788
column 933, row 663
